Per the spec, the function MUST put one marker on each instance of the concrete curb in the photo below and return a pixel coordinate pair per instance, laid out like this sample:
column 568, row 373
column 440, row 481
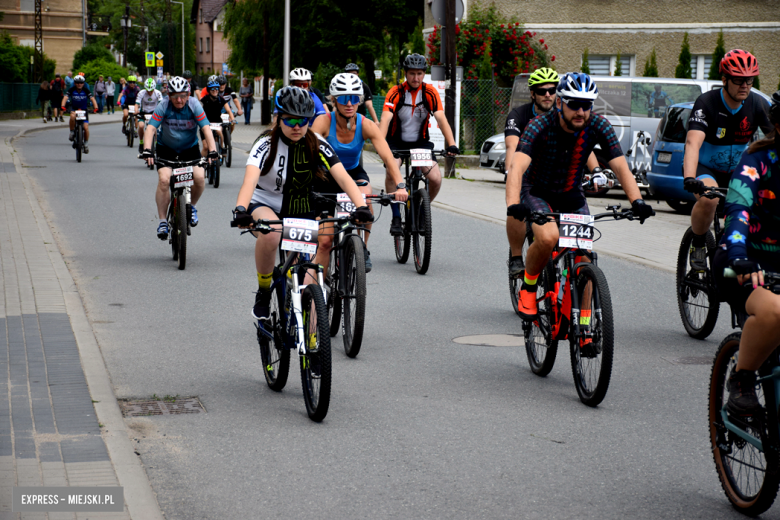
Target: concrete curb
column 140, row 498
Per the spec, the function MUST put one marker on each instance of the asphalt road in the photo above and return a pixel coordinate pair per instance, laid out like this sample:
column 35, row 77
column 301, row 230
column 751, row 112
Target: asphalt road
column 419, row 426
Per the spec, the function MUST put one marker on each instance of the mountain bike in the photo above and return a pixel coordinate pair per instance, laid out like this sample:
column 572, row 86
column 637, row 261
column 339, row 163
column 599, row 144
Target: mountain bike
column 697, row 296
column 416, row 213
column 298, row 317
column 226, row 155
column 746, row 449
column 575, row 304
column 78, row 133
column 180, row 207
column 212, row 173
column 130, row 125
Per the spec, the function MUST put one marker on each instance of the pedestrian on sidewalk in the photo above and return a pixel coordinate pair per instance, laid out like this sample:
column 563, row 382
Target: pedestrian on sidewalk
column 68, row 85
column 110, row 91
column 57, row 89
column 44, row 98
column 247, row 94
column 100, row 93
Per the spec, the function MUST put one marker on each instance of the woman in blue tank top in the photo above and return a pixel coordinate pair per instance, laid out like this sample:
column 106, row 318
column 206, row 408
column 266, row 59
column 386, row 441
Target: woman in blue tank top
column 347, row 132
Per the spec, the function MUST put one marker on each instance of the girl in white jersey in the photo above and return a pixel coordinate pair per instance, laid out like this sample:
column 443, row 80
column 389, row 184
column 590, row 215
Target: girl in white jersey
column 280, row 172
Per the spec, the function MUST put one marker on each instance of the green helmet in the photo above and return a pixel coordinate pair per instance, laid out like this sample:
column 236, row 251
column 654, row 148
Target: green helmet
column 131, row 79
column 150, row 84
column 542, row 76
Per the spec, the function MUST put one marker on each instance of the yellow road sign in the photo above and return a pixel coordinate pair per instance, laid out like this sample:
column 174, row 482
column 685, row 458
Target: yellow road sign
column 159, row 55
column 159, row 63
column 150, row 59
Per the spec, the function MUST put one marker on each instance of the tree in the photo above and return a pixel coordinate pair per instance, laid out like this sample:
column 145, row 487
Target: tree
column 100, row 67
column 618, row 65
column 92, row 52
column 585, row 67
column 651, row 66
column 756, row 82
column 717, row 55
column 683, row 69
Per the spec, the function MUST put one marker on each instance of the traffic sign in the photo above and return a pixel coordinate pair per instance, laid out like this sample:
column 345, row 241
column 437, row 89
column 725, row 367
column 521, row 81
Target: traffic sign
column 150, row 59
column 159, row 55
column 159, row 63
column 439, row 11
column 160, row 73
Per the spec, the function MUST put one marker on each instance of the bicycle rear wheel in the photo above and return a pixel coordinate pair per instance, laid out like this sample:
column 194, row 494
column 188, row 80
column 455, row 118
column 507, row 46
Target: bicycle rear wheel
column 273, row 352
column 130, row 131
column 354, row 272
column 316, row 364
column 591, row 365
column 215, row 164
column 79, row 142
column 334, row 298
column 697, row 301
column 422, row 238
column 749, row 476
column 402, row 243
column 540, row 348
column 181, row 231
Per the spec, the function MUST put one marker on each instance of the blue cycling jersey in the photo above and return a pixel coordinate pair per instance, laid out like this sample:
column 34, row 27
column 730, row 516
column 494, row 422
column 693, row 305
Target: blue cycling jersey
column 79, row 99
column 178, row 129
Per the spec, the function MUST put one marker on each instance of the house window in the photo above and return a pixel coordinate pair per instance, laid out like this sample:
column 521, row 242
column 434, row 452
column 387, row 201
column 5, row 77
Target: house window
column 27, row 5
column 201, row 16
column 602, row 65
column 700, row 66
column 208, row 44
column 200, row 45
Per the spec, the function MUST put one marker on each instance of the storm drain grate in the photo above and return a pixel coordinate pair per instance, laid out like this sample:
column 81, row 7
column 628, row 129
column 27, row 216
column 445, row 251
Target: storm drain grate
column 693, row 360
column 147, row 407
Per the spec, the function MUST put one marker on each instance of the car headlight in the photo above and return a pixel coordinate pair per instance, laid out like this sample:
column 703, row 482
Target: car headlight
column 500, row 146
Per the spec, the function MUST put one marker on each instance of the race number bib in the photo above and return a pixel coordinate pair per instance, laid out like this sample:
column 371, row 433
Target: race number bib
column 421, row 157
column 345, row 205
column 576, row 231
column 147, row 117
column 81, row 115
column 225, row 118
column 183, row 177
column 131, row 109
column 215, row 126
column 300, row 235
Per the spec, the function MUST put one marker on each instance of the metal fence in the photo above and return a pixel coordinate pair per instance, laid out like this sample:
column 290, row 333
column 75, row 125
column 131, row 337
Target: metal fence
column 483, row 110
column 18, row 96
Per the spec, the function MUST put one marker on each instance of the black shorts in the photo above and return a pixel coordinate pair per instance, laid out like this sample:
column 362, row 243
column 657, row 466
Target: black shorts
column 169, row 154
column 254, row 205
column 571, row 202
column 358, row 174
column 722, row 178
column 403, row 145
column 728, row 289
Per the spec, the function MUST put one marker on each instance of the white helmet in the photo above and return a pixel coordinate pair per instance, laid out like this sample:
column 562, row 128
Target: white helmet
column 300, row 75
column 346, row 84
column 212, row 79
column 79, row 79
column 178, row 84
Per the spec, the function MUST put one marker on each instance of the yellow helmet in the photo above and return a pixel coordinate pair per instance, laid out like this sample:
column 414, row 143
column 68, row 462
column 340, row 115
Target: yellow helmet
column 542, row 76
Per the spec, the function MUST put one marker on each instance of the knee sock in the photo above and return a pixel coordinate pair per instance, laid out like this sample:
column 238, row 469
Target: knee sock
column 529, row 279
column 264, row 281
column 395, row 208
column 699, row 240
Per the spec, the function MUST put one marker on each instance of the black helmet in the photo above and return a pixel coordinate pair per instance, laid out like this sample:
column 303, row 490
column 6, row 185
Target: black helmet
column 415, row 61
column 221, row 80
column 774, row 110
column 350, row 67
column 187, row 74
column 295, row 101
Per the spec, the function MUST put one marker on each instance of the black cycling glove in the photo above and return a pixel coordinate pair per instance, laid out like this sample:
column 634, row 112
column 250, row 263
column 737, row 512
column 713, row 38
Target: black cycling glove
column 363, row 214
column 242, row 217
column 519, row 211
column 213, row 154
column 453, row 150
column 744, row 266
column 642, row 210
column 693, row 185
column 147, row 154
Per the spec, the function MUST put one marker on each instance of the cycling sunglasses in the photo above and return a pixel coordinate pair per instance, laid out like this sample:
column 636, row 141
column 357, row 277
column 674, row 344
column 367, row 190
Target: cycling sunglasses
column 743, row 81
column 180, row 95
column 576, row 105
column 543, row 91
column 292, row 122
column 343, row 100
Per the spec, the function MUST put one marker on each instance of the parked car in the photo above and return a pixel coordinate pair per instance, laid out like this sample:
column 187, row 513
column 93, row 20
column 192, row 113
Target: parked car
column 666, row 175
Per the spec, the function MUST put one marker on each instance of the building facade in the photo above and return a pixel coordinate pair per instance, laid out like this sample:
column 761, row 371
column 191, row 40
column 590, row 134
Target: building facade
column 635, row 28
column 212, row 51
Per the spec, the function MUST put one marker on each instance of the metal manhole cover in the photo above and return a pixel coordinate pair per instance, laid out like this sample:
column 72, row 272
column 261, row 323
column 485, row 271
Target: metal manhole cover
column 492, row 340
column 147, row 407
column 692, row 360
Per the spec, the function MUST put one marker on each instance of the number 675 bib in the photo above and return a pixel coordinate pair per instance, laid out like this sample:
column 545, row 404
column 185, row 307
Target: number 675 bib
column 300, row 235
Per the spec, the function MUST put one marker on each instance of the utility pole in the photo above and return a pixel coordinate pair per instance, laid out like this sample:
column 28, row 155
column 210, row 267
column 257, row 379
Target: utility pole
column 286, row 64
column 265, row 104
column 126, row 23
column 451, row 76
column 182, row 34
column 38, row 71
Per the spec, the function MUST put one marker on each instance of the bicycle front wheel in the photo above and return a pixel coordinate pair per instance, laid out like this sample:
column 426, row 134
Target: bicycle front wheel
column 696, row 300
column 540, row 348
column 422, row 237
column 591, row 362
column 403, row 242
column 130, row 131
column 79, row 143
column 228, row 150
column 334, row 298
column 273, row 352
column 749, row 476
column 354, row 272
column 316, row 364
column 181, row 231
column 215, row 164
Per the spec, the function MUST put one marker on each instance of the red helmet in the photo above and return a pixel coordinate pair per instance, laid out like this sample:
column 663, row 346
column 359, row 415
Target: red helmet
column 739, row 63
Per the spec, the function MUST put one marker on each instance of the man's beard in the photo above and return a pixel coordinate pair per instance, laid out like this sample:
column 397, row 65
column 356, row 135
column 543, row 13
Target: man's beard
column 540, row 108
column 570, row 125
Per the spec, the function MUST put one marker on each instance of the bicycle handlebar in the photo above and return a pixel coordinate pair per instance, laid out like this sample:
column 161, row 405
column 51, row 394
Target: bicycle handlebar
column 714, row 192
column 399, row 154
column 769, row 276
column 264, row 225
column 176, row 164
column 541, row 217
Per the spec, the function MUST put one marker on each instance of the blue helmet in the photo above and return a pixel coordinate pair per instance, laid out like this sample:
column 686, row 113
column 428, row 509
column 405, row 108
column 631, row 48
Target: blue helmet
column 212, row 84
column 577, row 85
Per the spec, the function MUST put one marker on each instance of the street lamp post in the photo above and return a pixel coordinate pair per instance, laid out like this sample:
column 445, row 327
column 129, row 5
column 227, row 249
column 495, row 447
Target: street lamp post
column 182, row 33
column 146, row 29
column 126, row 23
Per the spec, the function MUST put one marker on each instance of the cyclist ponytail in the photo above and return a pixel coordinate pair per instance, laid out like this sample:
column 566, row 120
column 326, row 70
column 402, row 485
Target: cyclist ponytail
column 311, row 149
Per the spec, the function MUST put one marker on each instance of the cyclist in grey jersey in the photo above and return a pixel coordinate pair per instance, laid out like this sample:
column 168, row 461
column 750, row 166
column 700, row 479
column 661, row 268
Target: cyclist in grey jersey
column 148, row 100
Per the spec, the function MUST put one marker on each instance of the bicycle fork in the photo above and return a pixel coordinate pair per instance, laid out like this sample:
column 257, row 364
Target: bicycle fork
column 297, row 309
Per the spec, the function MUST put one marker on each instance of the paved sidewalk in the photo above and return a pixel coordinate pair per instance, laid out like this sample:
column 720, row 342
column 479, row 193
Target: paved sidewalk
column 60, row 424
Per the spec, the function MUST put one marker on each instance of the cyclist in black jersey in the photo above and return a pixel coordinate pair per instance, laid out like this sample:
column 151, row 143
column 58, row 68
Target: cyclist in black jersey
column 213, row 104
column 280, row 172
column 720, row 127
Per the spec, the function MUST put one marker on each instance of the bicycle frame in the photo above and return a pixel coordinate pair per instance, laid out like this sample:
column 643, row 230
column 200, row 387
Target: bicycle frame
column 413, row 178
